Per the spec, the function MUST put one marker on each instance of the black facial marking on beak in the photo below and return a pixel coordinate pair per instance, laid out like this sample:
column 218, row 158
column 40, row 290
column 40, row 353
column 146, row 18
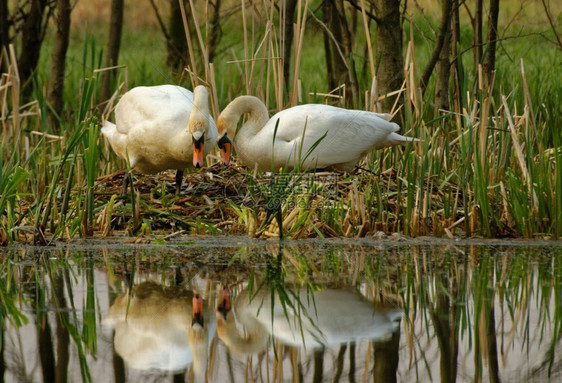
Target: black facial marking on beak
column 224, row 140
column 223, row 309
column 198, row 318
column 223, row 306
column 197, row 313
column 199, row 142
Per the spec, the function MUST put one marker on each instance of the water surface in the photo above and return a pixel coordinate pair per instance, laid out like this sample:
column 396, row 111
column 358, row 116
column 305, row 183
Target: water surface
column 332, row 311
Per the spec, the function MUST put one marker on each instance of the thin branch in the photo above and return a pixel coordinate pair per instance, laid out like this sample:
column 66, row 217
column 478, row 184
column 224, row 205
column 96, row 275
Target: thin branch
column 332, row 37
column 160, row 22
column 552, row 24
column 422, row 12
column 500, row 40
column 369, row 14
column 446, row 18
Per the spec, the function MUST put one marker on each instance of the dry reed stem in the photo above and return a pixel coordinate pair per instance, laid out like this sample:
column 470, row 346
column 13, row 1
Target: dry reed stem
column 529, row 104
column 189, row 43
column 368, row 39
column 246, row 55
column 10, row 82
column 123, row 87
column 519, row 155
column 299, row 39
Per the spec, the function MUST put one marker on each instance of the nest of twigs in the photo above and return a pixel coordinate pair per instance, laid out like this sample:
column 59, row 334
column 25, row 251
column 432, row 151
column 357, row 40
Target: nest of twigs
column 201, row 207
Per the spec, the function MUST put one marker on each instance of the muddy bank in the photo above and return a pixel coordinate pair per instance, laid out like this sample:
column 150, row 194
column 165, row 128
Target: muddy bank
column 233, row 241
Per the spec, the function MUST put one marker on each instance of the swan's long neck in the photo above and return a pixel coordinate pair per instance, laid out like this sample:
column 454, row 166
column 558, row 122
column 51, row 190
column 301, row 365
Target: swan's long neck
column 251, row 341
column 250, row 105
column 198, row 342
column 199, row 116
column 254, row 336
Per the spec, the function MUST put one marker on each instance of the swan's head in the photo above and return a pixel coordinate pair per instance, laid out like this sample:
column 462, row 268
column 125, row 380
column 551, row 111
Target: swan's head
column 224, row 143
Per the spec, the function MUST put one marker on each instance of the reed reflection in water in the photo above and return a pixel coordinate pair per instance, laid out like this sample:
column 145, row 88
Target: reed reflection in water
column 328, row 313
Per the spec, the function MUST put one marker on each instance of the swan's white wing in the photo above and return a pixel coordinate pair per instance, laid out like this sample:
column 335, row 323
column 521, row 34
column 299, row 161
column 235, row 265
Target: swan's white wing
column 117, row 140
column 165, row 106
column 328, row 317
column 349, row 134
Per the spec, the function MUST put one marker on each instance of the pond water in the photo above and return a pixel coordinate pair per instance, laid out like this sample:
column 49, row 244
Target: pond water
column 235, row 310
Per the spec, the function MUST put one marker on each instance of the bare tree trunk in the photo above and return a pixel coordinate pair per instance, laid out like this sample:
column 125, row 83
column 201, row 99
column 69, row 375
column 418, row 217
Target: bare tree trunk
column 216, row 31
column 444, row 319
column 31, row 39
column 290, row 7
column 490, row 59
column 2, row 347
column 328, row 51
column 336, row 65
column 318, row 357
column 492, row 345
column 444, row 29
column 340, row 69
column 389, row 47
column 63, row 338
column 46, row 347
column 4, row 31
column 347, row 43
column 477, row 25
column 119, row 375
column 386, row 358
column 55, row 91
column 455, row 42
column 113, row 46
column 443, row 70
column 177, row 45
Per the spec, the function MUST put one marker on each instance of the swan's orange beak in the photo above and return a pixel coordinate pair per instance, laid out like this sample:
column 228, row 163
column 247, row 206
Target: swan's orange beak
column 197, row 310
column 225, row 146
column 198, row 151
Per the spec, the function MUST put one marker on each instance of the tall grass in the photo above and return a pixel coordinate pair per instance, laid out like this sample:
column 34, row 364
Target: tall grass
column 489, row 167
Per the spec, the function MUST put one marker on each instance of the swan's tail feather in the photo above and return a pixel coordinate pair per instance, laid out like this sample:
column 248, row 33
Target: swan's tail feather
column 107, row 127
column 384, row 116
column 398, row 139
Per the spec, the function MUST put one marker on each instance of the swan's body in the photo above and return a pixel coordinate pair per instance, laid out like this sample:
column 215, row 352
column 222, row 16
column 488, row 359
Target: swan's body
column 157, row 328
column 160, row 127
column 343, row 135
column 326, row 318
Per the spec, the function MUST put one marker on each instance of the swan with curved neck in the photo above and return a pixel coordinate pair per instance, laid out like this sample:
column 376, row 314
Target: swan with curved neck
column 162, row 127
column 324, row 318
column 311, row 136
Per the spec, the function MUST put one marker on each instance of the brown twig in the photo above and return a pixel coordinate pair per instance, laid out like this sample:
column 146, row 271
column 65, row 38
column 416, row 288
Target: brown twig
column 551, row 22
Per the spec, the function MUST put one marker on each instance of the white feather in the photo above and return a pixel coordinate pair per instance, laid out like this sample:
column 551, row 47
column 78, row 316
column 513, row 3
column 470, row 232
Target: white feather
column 344, row 136
column 154, row 127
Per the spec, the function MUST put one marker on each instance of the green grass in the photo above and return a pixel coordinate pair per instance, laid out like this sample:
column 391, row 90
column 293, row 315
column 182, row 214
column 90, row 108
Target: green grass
column 465, row 178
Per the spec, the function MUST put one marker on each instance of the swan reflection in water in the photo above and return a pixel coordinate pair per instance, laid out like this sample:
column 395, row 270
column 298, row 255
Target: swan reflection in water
column 304, row 319
column 158, row 328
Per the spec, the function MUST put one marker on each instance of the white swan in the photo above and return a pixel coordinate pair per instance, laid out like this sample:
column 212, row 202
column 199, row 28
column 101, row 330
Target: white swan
column 162, row 127
column 325, row 318
column 164, row 329
column 343, row 135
